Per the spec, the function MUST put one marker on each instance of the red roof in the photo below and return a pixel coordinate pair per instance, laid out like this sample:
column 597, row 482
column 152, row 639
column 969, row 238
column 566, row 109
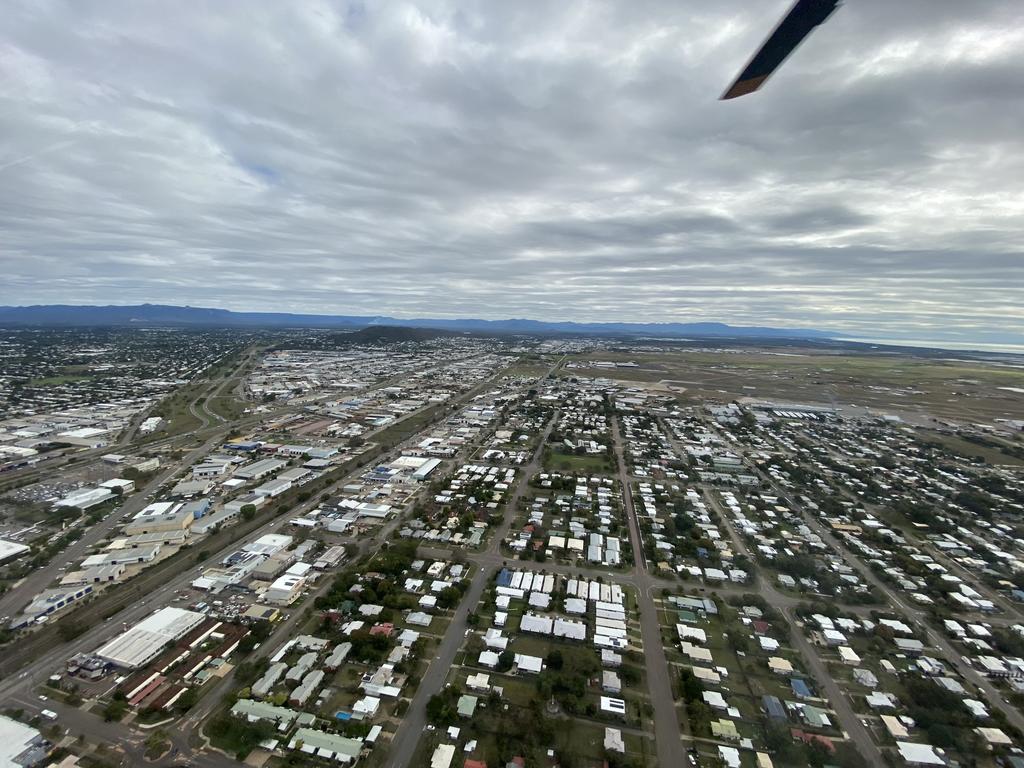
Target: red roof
column 157, row 682
column 382, row 629
column 808, row 738
column 474, row 764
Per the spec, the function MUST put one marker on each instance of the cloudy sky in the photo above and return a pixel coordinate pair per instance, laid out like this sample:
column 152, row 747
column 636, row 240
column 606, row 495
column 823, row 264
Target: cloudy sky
column 553, row 160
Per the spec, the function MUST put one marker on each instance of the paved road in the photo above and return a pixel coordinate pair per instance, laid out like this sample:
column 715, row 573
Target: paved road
column 666, row 722
column 23, row 685
column 895, row 600
column 935, row 638
column 848, row 719
column 17, row 598
column 403, row 745
column 1012, row 611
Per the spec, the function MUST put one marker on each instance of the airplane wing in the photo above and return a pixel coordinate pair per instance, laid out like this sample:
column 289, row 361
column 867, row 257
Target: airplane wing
column 802, row 18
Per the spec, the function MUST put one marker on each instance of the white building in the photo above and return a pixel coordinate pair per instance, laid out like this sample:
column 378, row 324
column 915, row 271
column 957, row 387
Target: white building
column 144, row 642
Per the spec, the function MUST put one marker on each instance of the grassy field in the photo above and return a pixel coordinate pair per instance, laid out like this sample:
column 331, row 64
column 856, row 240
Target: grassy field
column 952, row 387
column 568, row 462
column 55, row 381
column 967, row 449
column 227, row 406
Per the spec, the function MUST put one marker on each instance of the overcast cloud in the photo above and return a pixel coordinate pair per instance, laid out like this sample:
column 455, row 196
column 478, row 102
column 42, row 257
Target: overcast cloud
column 554, row 160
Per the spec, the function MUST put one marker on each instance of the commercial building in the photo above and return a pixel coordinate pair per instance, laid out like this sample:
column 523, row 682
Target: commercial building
column 285, row 590
column 144, row 642
column 10, row 550
column 190, row 488
column 178, row 520
column 86, row 499
column 50, row 601
column 274, row 488
column 103, row 574
column 129, row 556
column 330, row 558
column 210, row 469
column 126, row 486
column 214, row 519
column 260, row 469
column 21, row 746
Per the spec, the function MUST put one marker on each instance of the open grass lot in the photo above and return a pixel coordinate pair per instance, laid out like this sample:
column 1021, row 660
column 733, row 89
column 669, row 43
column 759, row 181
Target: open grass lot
column 956, row 385
column 969, row 450
column 226, row 406
column 557, row 459
column 54, row 381
column 528, row 367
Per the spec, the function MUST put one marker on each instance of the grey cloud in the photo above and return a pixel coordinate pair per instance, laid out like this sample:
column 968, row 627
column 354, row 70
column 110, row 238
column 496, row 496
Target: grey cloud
column 560, row 161
column 822, row 217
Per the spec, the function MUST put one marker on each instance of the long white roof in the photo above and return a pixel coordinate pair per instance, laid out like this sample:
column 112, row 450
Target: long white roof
column 145, row 640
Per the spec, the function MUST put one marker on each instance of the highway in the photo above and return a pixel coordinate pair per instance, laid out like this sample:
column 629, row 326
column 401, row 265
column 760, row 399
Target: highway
column 22, row 593
column 22, row 685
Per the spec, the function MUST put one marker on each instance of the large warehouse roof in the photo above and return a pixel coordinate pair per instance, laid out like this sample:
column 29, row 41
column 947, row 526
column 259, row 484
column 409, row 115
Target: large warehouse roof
column 11, row 549
column 17, row 742
column 145, row 640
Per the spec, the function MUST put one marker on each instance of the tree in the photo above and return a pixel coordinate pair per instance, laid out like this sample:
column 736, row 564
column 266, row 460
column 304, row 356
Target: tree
column 187, row 700
column 115, row 709
column 157, row 744
column 248, row 512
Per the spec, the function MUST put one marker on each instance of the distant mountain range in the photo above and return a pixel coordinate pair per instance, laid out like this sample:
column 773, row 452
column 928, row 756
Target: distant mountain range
column 60, row 315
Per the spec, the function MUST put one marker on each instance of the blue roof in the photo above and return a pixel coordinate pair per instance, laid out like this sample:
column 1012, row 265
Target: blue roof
column 774, row 707
column 504, row 578
column 198, row 508
column 800, row 688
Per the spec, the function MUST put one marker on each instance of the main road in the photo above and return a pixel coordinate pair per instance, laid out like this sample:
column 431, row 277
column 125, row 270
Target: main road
column 666, row 721
column 403, row 745
column 20, row 687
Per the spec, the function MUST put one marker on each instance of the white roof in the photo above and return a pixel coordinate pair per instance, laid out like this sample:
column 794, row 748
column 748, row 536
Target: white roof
column 145, row 640
column 575, row 605
column 15, row 738
column 528, row 663
column 919, row 754
column 538, row 624
column 268, row 544
column 730, row 756
column 443, row 755
column 11, row 549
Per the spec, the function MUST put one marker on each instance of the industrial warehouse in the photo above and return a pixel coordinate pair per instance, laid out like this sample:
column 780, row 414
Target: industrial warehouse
column 143, row 642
